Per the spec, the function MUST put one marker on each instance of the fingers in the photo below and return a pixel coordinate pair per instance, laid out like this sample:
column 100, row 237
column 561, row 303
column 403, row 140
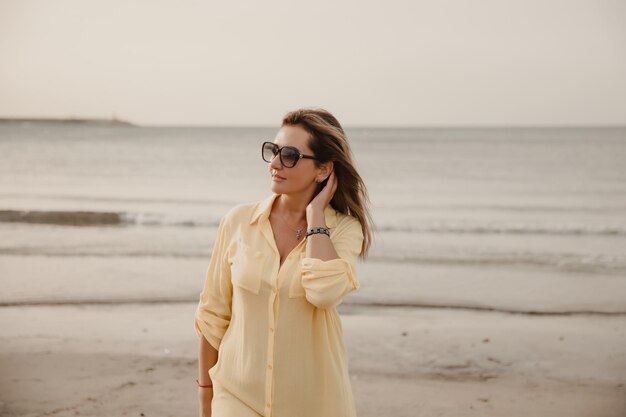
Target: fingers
column 333, row 182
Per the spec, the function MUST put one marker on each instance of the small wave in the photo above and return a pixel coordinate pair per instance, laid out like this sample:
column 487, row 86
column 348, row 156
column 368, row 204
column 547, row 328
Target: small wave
column 347, row 307
column 565, row 262
column 505, row 208
column 154, row 219
column 362, row 306
column 510, row 229
column 96, row 218
column 103, row 252
column 74, row 218
column 569, row 262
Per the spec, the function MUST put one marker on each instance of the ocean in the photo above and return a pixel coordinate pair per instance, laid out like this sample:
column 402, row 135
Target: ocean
column 513, row 219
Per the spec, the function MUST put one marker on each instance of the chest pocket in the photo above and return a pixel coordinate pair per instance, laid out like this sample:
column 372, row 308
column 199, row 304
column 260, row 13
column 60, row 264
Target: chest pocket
column 247, row 267
column 296, row 289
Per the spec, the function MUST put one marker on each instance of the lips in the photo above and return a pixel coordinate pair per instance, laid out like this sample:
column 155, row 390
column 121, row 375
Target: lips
column 278, row 178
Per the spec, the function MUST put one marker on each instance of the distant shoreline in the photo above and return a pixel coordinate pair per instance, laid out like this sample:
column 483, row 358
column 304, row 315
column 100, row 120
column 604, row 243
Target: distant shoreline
column 452, row 127
column 99, row 122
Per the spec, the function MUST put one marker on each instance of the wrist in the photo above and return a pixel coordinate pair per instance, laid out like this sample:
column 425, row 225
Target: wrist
column 315, row 218
column 204, row 385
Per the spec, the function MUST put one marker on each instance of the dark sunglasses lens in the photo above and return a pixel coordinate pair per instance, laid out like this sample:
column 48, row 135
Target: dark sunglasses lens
column 289, row 156
column 269, row 151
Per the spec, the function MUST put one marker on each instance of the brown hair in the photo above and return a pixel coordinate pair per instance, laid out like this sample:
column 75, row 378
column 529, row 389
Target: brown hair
column 329, row 142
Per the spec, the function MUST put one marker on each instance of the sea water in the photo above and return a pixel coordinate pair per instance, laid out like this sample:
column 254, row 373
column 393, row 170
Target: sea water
column 114, row 212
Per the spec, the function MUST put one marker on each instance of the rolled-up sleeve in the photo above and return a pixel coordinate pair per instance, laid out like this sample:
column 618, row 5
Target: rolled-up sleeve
column 326, row 283
column 214, row 308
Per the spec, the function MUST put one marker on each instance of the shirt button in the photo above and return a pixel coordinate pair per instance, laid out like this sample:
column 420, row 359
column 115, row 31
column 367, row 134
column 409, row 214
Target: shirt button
column 274, row 290
column 271, row 329
column 269, row 366
column 268, row 405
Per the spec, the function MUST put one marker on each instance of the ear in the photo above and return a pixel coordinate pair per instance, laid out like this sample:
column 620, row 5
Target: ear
column 326, row 168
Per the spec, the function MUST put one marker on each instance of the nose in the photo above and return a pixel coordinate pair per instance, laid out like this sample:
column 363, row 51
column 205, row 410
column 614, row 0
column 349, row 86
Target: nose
column 276, row 162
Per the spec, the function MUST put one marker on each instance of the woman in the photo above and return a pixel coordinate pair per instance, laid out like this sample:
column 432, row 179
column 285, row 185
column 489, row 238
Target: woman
column 278, row 270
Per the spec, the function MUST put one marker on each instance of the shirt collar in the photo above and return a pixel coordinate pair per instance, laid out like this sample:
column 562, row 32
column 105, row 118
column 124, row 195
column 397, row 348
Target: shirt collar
column 264, row 207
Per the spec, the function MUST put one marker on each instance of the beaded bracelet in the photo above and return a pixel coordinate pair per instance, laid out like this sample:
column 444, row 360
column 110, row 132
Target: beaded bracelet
column 314, row 230
column 204, row 386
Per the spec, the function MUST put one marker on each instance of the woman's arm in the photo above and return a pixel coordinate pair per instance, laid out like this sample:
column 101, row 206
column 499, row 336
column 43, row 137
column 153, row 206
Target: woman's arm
column 207, row 358
column 319, row 245
column 213, row 314
column 329, row 266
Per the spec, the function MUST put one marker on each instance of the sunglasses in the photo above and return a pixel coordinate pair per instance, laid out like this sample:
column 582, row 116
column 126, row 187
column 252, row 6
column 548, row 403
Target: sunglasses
column 289, row 156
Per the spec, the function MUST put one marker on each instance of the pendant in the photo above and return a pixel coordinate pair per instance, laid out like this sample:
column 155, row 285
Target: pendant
column 298, row 234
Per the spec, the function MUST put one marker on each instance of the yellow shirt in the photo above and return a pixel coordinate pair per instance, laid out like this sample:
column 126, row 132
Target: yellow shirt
column 277, row 330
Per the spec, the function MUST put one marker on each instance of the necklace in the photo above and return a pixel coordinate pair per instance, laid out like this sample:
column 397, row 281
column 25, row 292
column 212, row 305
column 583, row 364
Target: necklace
column 298, row 231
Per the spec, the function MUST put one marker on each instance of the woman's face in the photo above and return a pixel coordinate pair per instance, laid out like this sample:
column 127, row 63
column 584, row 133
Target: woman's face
column 301, row 177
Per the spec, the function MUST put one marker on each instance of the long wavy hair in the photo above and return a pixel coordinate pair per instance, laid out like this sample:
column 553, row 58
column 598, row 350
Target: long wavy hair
column 329, row 142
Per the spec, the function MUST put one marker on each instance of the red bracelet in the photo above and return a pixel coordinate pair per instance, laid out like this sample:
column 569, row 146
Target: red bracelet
column 204, row 386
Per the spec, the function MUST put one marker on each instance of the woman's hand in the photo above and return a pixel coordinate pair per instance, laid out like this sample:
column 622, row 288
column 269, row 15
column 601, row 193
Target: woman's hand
column 322, row 199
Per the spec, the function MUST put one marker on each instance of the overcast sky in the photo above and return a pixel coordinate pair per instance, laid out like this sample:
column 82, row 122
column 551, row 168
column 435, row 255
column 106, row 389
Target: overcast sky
column 375, row 63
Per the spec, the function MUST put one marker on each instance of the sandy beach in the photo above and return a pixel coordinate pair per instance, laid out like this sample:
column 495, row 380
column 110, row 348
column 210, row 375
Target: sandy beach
column 140, row 360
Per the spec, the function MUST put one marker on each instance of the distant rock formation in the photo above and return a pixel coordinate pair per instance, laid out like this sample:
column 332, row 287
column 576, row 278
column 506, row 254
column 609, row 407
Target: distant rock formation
column 100, row 122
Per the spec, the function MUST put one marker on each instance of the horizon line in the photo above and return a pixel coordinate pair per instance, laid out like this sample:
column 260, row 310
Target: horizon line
column 124, row 122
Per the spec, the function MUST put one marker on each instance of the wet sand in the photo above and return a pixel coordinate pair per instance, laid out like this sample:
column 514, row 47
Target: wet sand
column 140, row 359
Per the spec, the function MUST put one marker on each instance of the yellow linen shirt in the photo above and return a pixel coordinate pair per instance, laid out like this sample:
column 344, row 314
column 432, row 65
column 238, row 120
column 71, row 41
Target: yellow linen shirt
column 277, row 330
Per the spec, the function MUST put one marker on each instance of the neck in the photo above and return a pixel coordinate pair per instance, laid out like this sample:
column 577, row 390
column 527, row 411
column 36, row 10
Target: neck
column 292, row 207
